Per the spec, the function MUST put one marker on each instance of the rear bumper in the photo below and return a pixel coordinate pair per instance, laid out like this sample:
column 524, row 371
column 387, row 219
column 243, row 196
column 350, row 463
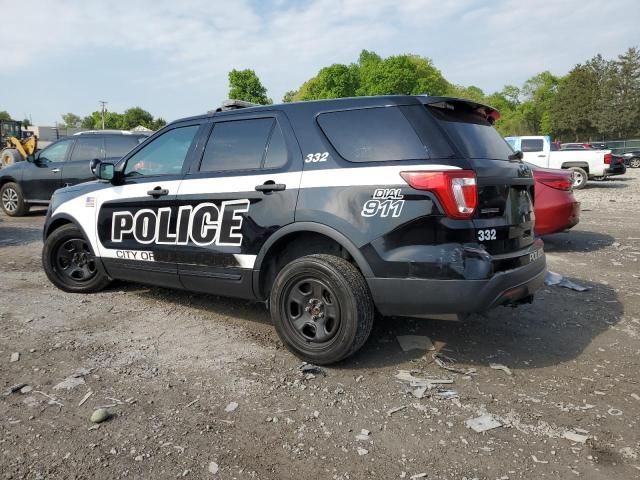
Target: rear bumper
column 618, row 169
column 420, row 297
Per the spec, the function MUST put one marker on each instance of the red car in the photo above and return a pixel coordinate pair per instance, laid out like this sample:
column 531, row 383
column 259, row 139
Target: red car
column 556, row 208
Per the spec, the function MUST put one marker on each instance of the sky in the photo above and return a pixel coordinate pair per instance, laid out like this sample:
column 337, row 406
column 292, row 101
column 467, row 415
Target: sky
column 172, row 58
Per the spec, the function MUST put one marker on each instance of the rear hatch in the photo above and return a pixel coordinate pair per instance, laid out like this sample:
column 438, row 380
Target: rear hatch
column 504, row 216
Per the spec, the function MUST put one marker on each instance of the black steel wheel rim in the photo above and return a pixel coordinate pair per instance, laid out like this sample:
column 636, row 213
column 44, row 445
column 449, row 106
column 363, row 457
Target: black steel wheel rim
column 74, row 261
column 312, row 311
column 10, row 199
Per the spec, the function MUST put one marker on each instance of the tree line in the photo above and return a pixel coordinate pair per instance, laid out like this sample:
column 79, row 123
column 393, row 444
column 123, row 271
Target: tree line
column 131, row 118
column 599, row 98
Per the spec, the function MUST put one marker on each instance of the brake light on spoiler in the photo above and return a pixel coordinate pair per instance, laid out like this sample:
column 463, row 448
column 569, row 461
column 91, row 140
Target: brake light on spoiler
column 456, row 190
column 562, row 180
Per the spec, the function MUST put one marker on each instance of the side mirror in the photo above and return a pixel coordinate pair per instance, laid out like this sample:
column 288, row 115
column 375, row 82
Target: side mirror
column 517, row 155
column 93, row 165
column 106, row 171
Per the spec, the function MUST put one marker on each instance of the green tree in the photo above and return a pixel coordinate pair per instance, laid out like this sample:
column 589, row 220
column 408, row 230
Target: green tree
column 290, row 96
column 245, row 85
column 572, row 108
column 26, row 122
column 158, row 123
column 539, row 91
column 334, row 81
column 619, row 101
column 4, row 115
column 135, row 116
column 71, row 120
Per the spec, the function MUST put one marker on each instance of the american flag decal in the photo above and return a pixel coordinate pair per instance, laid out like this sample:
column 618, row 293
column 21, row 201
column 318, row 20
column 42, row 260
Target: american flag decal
column 90, row 202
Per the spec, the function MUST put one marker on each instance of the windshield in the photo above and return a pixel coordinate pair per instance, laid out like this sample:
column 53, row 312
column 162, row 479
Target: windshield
column 471, row 133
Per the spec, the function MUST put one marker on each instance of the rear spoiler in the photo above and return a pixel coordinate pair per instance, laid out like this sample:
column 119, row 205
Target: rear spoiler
column 489, row 113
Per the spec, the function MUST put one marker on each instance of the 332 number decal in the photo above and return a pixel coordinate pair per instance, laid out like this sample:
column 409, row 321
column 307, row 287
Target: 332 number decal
column 316, row 157
column 487, row 234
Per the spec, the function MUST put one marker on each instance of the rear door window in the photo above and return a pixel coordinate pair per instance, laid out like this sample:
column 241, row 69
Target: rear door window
column 372, row 134
column 119, row 146
column 238, row 145
column 87, row 148
column 56, row 152
column 532, row 145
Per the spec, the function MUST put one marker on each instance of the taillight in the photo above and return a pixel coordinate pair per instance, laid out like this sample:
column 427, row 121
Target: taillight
column 559, row 181
column 455, row 189
column 607, row 158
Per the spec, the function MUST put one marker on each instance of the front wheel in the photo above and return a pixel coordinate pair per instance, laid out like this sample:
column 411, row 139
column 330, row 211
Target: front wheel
column 12, row 199
column 69, row 262
column 322, row 308
column 580, row 178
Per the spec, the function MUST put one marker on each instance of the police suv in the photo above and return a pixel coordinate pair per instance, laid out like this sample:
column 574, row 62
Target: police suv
column 327, row 210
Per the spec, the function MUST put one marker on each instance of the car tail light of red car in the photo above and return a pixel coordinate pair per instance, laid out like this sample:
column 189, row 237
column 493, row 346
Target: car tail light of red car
column 456, row 189
column 558, row 180
column 607, row 158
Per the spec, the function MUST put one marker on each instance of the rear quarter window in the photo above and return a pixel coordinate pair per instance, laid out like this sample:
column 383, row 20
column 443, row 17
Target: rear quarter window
column 372, row 134
column 532, row 145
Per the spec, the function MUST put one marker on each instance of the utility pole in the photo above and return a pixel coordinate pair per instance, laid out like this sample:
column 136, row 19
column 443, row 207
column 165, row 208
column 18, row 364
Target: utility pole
column 103, row 103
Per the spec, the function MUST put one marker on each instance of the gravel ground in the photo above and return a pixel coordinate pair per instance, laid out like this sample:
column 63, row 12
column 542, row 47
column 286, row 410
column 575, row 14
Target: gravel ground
column 169, row 366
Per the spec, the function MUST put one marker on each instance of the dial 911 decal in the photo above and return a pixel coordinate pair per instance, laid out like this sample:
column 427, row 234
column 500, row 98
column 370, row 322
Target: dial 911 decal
column 385, row 202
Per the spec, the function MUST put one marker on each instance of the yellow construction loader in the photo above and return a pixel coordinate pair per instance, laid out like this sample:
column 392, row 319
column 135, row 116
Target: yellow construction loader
column 14, row 148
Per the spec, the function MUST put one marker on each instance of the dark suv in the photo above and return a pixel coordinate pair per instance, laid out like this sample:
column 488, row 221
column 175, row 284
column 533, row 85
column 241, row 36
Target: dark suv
column 65, row 162
column 326, row 211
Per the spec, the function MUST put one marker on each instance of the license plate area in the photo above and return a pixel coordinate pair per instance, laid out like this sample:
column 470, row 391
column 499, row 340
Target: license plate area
column 484, row 235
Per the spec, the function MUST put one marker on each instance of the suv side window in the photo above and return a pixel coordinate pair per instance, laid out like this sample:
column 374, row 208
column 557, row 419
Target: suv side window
column 87, row 148
column 165, row 155
column 372, row 134
column 532, row 145
column 276, row 155
column 237, row 145
column 56, row 152
column 117, row 146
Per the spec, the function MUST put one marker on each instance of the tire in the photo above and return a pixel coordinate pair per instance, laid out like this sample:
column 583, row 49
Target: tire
column 580, row 178
column 9, row 156
column 70, row 264
column 12, row 200
column 322, row 308
column 634, row 162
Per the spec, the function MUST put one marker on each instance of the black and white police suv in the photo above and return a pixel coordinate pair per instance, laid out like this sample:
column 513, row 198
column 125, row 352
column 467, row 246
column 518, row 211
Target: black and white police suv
column 326, row 210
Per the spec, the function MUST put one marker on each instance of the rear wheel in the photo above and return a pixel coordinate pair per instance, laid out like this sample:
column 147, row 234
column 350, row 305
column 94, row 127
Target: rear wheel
column 69, row 262
column 9, row 156
column 12, row 200
column 634, row 162
column 322, row 308
column 580, row 178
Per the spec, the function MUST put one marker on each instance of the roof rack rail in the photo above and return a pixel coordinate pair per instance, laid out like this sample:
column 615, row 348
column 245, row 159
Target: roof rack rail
column 234, row 105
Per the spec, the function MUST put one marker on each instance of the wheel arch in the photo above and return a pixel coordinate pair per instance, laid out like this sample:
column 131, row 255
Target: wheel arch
column 582, row 165
column 294, row 231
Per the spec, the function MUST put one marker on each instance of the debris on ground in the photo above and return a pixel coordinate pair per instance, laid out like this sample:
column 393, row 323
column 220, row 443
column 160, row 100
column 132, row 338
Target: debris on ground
column 552, row 278
column 362, row 451
column 85, row 398
column 575, row 437
column 26, row 389
column 538, row 461
column 417, row 475
column 15, row 356
column 231, row 407
column 483, row 423
column 615, row 412
column 100, row 415
column 395, row 410
column 14, row 388
column 69, row 383
column 499, row 366
column 414, row 342
column 309, row 368
column 363, row 435
column 448, row 364
column 213, row 468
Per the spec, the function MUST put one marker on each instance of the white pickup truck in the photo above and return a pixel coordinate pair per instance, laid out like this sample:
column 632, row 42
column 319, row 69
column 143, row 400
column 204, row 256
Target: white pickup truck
column 586, row 164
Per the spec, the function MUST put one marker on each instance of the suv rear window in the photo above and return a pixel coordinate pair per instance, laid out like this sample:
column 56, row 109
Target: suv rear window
column 118, row 146
column 372, row 134
column 471, row 133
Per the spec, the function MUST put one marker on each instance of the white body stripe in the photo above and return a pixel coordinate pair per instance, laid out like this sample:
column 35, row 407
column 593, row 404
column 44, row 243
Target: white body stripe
column 86, row 214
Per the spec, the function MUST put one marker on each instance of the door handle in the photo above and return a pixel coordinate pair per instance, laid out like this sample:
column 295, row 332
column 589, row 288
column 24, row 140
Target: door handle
column 158, row 192
column 542, row 156
column 270, row 186
column 55, row 170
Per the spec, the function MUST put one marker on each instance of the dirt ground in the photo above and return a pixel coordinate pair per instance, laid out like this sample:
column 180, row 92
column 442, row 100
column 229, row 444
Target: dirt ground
column 170, row 364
